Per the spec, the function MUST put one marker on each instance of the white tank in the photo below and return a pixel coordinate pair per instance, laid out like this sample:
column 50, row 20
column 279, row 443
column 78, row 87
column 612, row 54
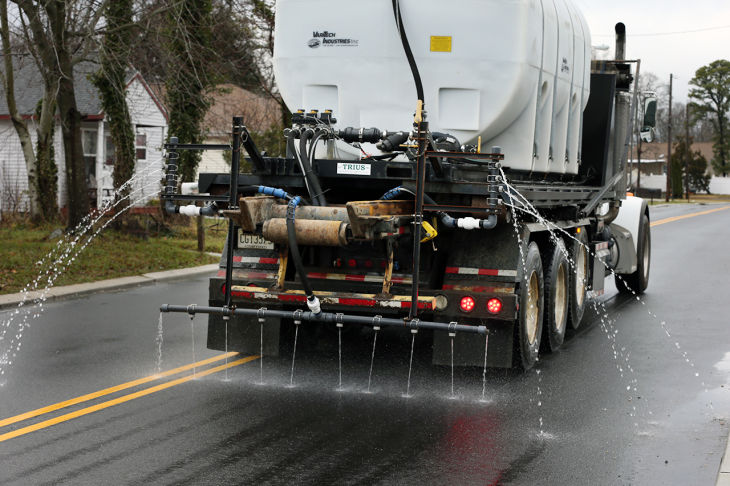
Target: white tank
column 515, row 72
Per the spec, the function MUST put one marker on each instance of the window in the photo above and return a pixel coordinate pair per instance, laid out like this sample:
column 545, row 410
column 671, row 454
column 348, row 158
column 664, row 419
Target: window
column 109, row 151
column 88, row 142
column 89, row 147
column 141, row 146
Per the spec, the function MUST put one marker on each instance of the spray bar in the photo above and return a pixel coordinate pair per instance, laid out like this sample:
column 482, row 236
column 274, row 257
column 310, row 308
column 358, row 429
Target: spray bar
column 338, row 318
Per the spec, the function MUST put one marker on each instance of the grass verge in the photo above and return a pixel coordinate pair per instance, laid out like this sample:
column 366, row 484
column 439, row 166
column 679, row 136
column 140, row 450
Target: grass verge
column 111, row 254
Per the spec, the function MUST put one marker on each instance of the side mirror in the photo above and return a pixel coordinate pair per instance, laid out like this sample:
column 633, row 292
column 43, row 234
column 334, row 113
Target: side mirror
column 649, row 119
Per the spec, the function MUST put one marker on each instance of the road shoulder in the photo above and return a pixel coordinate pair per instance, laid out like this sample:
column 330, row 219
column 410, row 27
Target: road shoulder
column 76, row 290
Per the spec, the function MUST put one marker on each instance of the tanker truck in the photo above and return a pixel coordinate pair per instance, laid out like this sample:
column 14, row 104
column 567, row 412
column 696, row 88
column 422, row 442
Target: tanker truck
column 459, row 171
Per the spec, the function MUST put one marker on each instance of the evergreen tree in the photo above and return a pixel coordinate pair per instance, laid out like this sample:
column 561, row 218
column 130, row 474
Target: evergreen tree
column 111, row 81
column 712, row 97
column 696, row 169
column 189, row 77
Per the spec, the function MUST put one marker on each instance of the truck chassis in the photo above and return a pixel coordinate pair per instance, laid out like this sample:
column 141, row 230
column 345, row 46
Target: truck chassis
column 388, row 261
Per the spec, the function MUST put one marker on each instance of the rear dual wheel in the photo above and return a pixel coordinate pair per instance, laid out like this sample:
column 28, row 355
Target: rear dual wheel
column 530, row 320
column 578, row 280
column 556, row 297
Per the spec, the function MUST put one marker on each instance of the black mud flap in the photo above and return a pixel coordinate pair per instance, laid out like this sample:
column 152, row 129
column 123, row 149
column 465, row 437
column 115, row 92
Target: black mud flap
column 244, row 335
column 469, row 348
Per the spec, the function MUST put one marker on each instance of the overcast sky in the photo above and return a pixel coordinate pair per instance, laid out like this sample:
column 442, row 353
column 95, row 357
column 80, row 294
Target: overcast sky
column 652, row 27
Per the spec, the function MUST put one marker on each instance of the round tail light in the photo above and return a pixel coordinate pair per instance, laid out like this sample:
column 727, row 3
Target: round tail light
column 467, row 303
column 494, row 306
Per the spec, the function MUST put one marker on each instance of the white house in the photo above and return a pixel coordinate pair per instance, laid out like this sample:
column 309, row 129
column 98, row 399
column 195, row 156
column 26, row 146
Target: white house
column 149, row 119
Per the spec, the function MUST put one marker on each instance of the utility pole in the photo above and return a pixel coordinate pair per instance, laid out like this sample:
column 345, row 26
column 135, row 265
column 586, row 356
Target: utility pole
column 689, row 151
column 638, row 160
column 669, row 142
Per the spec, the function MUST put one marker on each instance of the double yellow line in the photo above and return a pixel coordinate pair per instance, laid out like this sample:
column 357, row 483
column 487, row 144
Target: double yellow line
column 690, row 215
column 116, row 401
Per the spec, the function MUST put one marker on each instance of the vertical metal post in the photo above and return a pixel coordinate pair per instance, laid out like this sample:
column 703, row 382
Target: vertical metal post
column 669, row 143
column 635, row 126
column 418, row 212
column 638, row 162
column 233, row 203
column 689, row 151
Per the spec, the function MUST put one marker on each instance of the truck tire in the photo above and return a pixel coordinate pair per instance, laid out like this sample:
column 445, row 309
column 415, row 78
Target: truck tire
column 578, row 281
column 557, row 279
column 637, row 282
column 530, row 317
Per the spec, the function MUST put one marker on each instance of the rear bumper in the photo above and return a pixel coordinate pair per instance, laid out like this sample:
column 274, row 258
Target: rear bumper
column 440, row 304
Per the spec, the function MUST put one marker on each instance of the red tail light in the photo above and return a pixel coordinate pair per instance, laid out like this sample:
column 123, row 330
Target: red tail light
column 467, row 303
column 352, row 263
column 494, row 306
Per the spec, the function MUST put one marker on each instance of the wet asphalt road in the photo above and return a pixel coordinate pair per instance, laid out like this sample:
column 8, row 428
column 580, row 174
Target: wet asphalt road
column 575, row 419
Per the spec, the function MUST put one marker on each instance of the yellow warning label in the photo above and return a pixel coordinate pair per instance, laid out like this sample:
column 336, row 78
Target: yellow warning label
column 440, row 43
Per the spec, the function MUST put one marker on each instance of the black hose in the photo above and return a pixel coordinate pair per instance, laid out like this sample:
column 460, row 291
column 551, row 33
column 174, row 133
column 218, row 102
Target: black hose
column 290, row 147
column 393, row 141
column 313, row 146
column 315, row 190
column 407, row 49
column 294, row 247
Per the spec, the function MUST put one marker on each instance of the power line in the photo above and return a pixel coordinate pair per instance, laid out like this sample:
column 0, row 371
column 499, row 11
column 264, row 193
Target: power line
column 706, row 29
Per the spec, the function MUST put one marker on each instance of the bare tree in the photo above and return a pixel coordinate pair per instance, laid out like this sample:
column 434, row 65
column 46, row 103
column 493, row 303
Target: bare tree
column 39, row 164
column 62, row 32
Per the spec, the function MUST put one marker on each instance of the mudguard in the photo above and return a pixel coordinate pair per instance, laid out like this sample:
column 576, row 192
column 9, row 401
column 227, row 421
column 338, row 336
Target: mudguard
column 629, row 219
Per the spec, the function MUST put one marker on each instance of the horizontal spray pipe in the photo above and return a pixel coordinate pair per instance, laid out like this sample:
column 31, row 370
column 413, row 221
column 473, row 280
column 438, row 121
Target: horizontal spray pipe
column 300, row 315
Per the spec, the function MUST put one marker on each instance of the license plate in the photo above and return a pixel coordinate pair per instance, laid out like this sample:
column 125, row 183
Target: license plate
column 246, row 240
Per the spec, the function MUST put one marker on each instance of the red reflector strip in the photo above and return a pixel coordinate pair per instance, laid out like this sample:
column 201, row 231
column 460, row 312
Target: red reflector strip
column 236, row 293
column 360, row 302
column 481, row 271
column 421, row 305
column 263, row 261
column 292, row 298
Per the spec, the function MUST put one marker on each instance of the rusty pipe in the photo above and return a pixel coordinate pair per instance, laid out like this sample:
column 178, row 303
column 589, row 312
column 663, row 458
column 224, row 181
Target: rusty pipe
column 332, row 213
column 308, row 232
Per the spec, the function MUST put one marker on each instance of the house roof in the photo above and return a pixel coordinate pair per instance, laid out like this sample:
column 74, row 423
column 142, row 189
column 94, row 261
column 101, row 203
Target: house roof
column 29, row 87
column 259, row 112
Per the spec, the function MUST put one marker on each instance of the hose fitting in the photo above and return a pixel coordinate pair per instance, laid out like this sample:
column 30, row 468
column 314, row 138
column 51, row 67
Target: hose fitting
column 273, row 191
column 313, row 304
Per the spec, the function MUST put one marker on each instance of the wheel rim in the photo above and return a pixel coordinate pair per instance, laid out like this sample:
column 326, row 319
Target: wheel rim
column 581, row 271
column 531, row 314
column 561, row 298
